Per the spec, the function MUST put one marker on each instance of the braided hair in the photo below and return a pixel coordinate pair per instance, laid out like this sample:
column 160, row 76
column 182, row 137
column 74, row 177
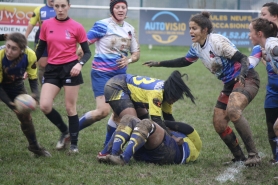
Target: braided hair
column 175, row 88
column 21, row 41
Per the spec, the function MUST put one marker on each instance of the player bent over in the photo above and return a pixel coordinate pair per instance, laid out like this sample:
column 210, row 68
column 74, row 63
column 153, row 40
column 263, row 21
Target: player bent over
column 16, row 59
column 149, row 142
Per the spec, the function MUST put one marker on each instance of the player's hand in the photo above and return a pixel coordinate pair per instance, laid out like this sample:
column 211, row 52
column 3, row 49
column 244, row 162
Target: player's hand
column 151, row 64
column 241, row 80
column 179, row 140
column 25, row 76
column 12, row 106
column 122, row 62
column 76, row 69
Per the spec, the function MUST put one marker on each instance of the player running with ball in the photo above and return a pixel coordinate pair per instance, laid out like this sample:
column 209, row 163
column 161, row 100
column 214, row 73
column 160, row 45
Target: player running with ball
column 16, row 59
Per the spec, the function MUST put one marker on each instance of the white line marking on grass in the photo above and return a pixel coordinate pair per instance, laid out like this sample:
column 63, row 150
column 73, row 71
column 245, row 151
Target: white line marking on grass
column 231, row 173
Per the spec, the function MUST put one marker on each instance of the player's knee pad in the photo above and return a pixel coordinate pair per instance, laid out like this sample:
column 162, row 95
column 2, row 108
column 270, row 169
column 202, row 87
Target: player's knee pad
column 146, row 127
column 128, row 123
column 194, row 152
column 196, row 140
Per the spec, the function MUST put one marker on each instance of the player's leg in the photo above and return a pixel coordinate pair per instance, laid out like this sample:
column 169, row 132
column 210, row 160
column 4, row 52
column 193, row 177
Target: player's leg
column 98, row 79
column 71, row 88
column 71, row 95
column 220, row 123
column 122, row 134
column 238, row 100
column 27, row 127
column 271, row 119
column 102, row 110
column 48, row 93
column 138, row 138
column 110, row 129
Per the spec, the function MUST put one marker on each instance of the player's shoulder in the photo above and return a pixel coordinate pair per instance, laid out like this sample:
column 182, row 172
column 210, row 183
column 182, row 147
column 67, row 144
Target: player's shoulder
column 271, row 41
column 31, row 55
column 126, row 24
column 38, row 8
column 29, row 51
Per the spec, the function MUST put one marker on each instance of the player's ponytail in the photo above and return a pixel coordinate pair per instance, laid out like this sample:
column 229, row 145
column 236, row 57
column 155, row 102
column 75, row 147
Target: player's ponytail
column 175, row 88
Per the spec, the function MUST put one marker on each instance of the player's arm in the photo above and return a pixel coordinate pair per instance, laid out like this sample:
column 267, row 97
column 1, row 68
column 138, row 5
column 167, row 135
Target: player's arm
column 178, row 62
column 40, row 48
column 86, row 52
column 32, row 73
column 274, row 51
column 158, row 120
column 3, row 95
column 168, row 116
column 243, row 59
column 5, row 98
column 33, row 21
column 134, row 57
column 189, row 59
column 135, row 47
column 256, row 56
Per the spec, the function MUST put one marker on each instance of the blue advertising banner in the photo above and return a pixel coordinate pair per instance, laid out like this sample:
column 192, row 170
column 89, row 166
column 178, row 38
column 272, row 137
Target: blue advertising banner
column 171, row 27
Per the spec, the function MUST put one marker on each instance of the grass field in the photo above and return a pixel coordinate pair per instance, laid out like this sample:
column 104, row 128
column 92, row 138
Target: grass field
column 18, row 166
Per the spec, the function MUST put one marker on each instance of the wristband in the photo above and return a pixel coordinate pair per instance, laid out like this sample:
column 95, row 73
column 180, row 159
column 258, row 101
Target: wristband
column 129, row 60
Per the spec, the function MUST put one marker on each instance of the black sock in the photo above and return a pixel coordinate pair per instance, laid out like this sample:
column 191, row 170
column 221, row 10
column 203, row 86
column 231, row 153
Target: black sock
column 29, row 132
column 73, row 129
column 57, row 120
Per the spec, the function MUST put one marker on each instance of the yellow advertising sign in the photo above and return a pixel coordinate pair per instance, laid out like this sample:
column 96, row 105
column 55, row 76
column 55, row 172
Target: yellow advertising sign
column 15, row 18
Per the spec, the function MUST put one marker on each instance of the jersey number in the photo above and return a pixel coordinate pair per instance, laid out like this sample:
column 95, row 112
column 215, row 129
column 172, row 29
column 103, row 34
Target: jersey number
column 145, row 80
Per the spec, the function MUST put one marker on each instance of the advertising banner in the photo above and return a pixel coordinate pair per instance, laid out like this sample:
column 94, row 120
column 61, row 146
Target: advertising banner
column 15, row 18
column 172, row 27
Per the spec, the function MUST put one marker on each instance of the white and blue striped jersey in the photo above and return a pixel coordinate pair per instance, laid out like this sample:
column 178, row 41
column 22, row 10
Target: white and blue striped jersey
column 107, row 35
column 216, row 55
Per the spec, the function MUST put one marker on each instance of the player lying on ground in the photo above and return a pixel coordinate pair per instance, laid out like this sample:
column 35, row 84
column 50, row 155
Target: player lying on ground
column 135, row 93
column 149, row 142
column 241, row 84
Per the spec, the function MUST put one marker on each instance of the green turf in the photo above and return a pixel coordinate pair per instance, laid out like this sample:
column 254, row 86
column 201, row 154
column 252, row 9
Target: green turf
column 18, row 166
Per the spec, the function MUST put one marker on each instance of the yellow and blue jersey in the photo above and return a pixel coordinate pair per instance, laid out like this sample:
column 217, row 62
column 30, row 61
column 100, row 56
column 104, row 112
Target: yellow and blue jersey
column 149, row 92
column 27, row 64
column 42, row 13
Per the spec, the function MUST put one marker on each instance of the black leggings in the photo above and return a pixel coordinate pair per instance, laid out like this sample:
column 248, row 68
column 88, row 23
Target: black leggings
column 271, row 116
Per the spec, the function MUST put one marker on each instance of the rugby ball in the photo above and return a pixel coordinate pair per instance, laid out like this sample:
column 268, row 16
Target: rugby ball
column 24, row 103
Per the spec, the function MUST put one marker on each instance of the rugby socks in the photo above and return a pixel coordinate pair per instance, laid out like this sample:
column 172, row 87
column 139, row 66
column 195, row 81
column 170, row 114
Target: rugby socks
column 57, row 120
column 276, row 148
column 243, row 129
column 122, row 135
column 108, row 147
column 86, row 120
column 110, row 129
column 229, row 138
column 73, row 129
column 136, row 141
column 28, row 129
